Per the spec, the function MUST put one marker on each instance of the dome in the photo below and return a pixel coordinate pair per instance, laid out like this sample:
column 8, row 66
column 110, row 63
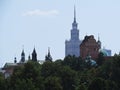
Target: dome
column 104, row 52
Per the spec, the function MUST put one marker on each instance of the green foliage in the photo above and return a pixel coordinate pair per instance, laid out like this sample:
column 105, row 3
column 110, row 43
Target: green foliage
column 68, row 74
column 27, row 75
column 68, row 78
column 31, row 70
column 81, row 87
column 22, row 84
column 97, row 84
column 75, row 63
column 50, row 69
column 100, row 59
column 115, row 72
column 2, row 82
column 53, row 83
column 111, row 85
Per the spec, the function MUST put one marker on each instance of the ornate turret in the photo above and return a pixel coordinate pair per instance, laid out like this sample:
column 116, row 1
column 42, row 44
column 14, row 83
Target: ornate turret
column 34, row 55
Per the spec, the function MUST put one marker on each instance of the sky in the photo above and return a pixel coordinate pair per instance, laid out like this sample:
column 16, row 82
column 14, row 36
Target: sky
column 47, row 23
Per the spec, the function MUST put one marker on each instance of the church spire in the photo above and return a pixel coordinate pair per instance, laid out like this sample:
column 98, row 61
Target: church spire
column 22, row 56
column 48, row 57
column 34, row 55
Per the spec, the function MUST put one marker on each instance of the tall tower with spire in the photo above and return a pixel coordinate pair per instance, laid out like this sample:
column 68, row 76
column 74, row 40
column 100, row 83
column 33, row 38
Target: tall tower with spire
column 72, row 45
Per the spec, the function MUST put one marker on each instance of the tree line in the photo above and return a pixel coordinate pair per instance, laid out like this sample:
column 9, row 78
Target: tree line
column 72, row 73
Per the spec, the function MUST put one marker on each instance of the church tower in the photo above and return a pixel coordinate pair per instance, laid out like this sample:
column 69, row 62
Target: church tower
column 34, row 55
column 22, row 56
column 72, row 45
column 48, row 57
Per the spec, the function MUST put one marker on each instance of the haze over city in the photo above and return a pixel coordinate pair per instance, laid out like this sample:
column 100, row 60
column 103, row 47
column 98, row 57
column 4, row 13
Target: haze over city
column 42, row 24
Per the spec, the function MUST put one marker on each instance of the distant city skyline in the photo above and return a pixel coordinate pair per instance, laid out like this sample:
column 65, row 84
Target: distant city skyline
column 42, row 24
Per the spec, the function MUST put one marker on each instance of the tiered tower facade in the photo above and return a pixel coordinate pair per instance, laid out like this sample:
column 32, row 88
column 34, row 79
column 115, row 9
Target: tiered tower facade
column 72, row 45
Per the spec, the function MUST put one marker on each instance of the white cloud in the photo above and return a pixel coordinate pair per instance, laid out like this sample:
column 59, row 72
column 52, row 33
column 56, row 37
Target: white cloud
column 38, row 12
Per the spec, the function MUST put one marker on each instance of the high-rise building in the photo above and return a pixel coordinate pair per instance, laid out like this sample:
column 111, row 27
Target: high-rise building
column 72, row 45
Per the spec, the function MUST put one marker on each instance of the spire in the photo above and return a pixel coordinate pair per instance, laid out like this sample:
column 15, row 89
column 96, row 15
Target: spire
column 98, row 37
column 22, row 50
column 34, row 51
column 48, row 51
column 22, row 56
column 74, row 14
column 99, row 42
column 48, row 57
column 34, row 55
column 74, row 24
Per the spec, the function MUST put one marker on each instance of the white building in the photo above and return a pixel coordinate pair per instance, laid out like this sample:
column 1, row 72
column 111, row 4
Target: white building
column 72, row 46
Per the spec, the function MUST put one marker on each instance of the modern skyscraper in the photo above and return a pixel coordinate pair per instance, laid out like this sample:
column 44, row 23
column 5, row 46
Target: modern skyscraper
column 72, row 45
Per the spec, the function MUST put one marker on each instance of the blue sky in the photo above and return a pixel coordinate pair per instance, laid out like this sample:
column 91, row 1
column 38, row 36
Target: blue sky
column 47, row 23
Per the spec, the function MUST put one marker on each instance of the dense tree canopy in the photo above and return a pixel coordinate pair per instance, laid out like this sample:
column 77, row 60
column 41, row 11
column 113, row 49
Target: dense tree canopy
column 72, row 73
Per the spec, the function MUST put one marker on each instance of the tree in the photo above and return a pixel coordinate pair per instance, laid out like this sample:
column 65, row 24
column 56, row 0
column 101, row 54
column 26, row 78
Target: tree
column 100, row 59
column 68, row 78
column 31, row 70
column 48, row 69
column 53, row 83
column 73, row 62
column 105, row 70
column 81, row 87
column 22, row 84
column 29, row 73
column 97, row 84
column 111, row 85
column 115, row 72
column 69, row 74
column 2, row 82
